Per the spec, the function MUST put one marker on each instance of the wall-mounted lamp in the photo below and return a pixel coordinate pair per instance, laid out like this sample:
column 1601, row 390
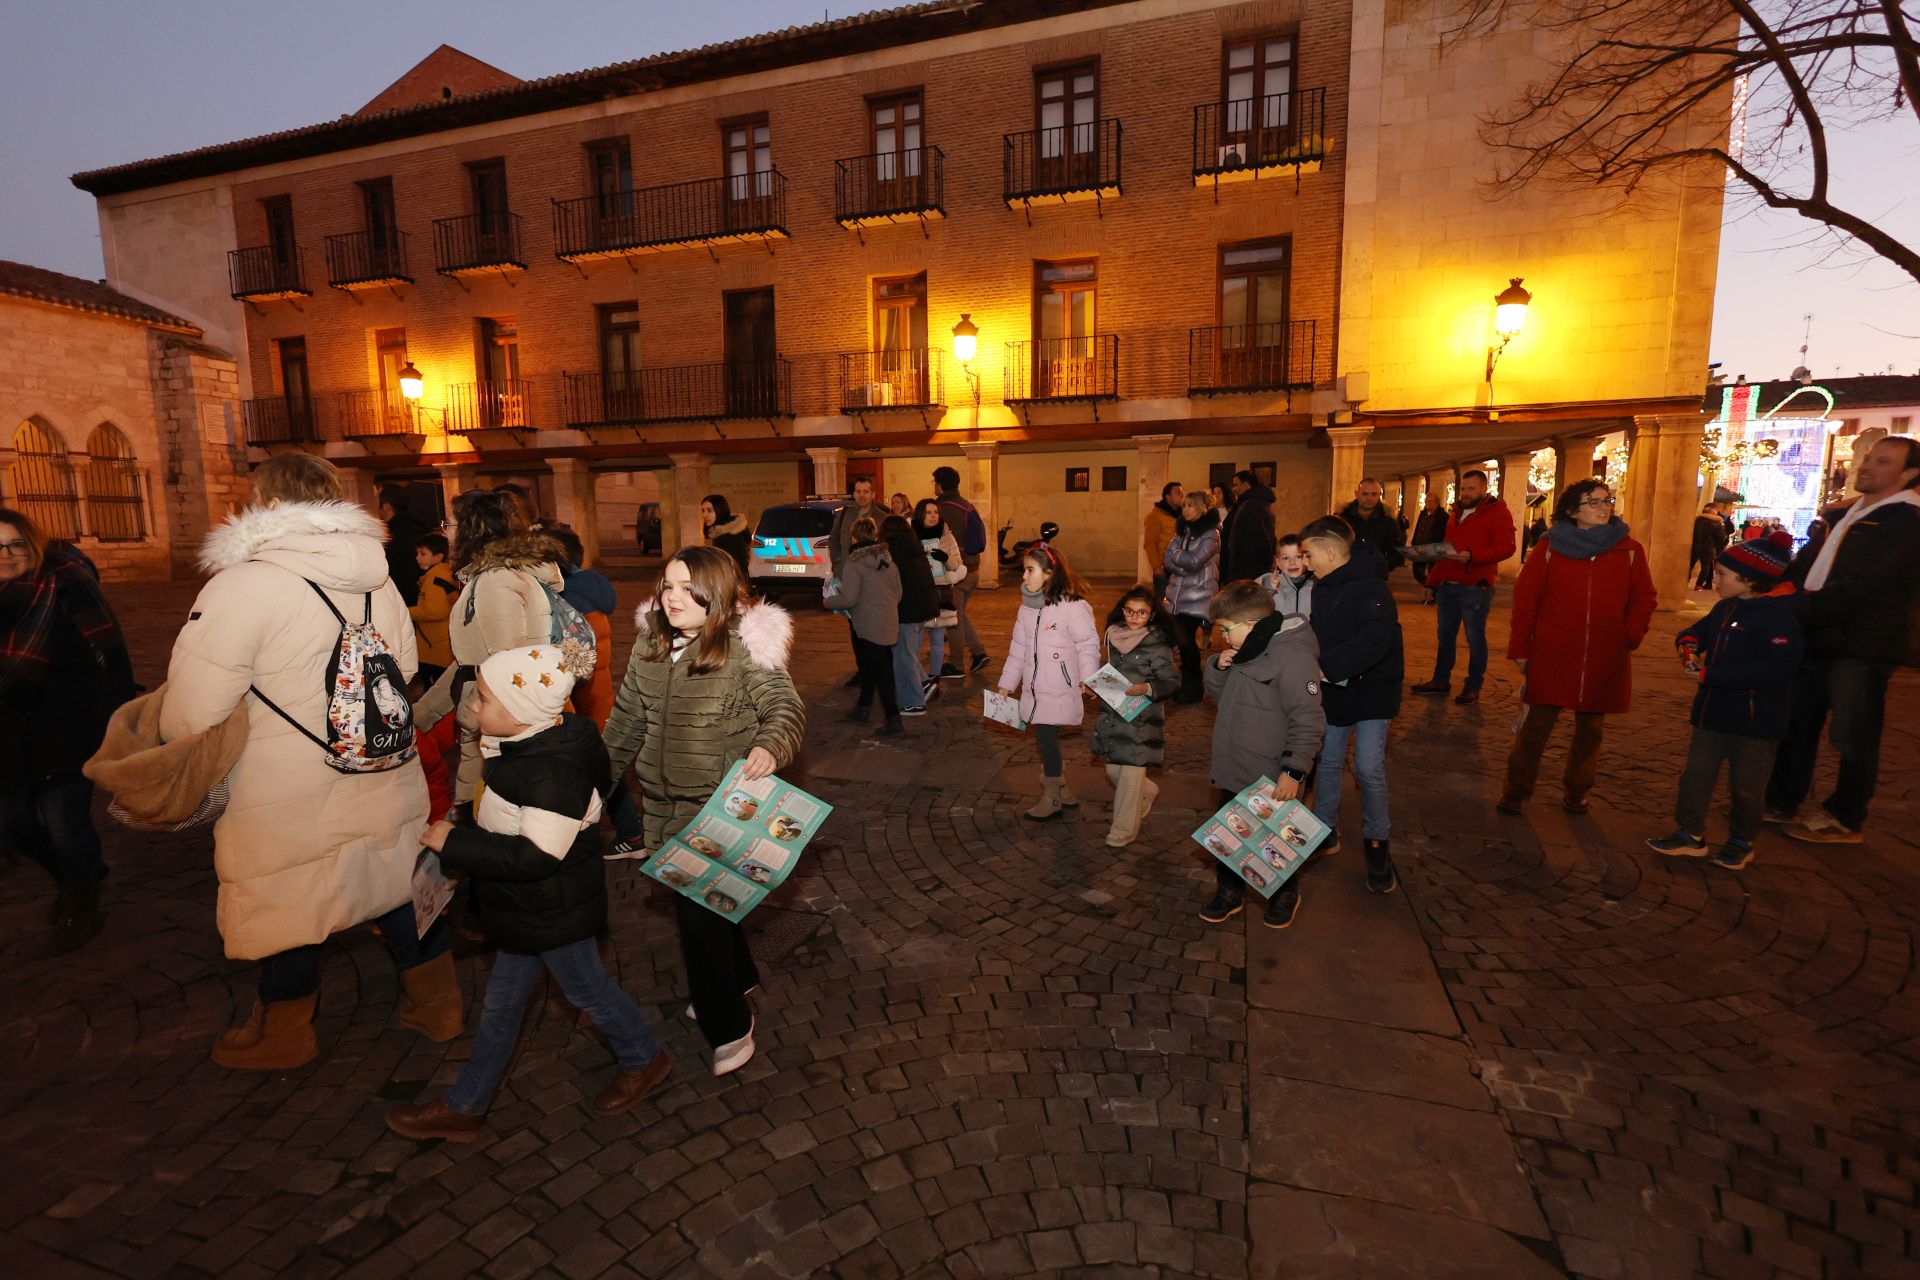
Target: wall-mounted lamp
column 412, row 385
column 966, row 342
column 1509, row 318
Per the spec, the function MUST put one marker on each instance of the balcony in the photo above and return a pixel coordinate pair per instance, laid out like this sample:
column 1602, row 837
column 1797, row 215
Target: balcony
column 687, row 393
column 1067, row 164
column 489, row 406
column 278, row 420
column 891, row 186
column 369, row 415
column 477, row 244
column 1253, row 138
column 1230, row 359
column 1050, row 370
column 266, row 273
column 876, row 381
column 684, row 215
column 367, row 259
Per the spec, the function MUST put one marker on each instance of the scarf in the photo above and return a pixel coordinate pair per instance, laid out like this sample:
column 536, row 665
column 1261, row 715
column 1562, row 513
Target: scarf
column 1577, row 543
column 1122, row 640
column 1823, row 562
column 1033, row 599
column 66, row 580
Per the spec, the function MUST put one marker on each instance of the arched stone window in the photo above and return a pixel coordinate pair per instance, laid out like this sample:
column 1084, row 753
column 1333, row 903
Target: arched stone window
column 40, row 480
column 116, row 499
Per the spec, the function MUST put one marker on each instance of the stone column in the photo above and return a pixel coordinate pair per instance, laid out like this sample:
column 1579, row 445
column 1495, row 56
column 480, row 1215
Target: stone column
column 77, row 475
column 1439, row 479
column 1349, row 464
column 680, row 511
column 575, row 503
column 1667, row 494
column 1513, row 491
column 361, row 488
column 829, row 470
column 1627, row 500
column 456, row 478
column 980, row 485
column 1572, row 462
column 1396, row 495
column 1156, row 469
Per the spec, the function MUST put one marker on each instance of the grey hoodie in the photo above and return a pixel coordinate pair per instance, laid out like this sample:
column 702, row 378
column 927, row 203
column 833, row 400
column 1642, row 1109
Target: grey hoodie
column 1268, row 715
column 870, row 589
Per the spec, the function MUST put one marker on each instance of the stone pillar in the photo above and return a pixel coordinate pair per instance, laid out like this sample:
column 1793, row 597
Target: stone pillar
column 1438, row 480
column 980, row 485
column 361, row 488
column 1396, row 495
column 829, row 470
column 1667, row 457
column 575, row 503
column 680, row 511
column 1627, row 495
column 1513, row 491
column 1349, row 465
column 1572, row 462
column 456, row 478
column 1156, row 469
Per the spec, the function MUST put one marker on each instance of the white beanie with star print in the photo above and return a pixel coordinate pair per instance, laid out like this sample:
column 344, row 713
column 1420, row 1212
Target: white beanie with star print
column 529, row 682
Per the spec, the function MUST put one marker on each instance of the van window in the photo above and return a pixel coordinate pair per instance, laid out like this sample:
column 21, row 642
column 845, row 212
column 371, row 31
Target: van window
column 795, row 522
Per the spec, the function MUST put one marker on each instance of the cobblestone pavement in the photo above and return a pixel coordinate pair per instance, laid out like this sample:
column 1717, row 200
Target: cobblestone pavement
column 993, row 1047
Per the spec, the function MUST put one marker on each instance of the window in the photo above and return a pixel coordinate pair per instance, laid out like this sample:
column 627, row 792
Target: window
column 487, row 180
column 41, row 480
column 1264, row 472
column 503, row 396
column 619, row 324
column 1078, row 480
column 748, row 148
column 900, row 340
column 383, row 230
column 1067, row 110
column 753, row 370
column 1220, row 475
column 893, row 127
column 1901, row 424
column 277, row 212
column 1064, row 316
column 610, row 176
column 1252, row 346
column 1256, row 86
column 116, row 508
column 389, row 357
column 295, row 391
column 1113, row 479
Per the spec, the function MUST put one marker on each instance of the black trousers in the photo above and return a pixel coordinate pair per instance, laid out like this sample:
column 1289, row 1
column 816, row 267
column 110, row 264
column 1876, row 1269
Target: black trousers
column 1848, row 698
column 720, row 971
column 1188, row 627
column 876, row 675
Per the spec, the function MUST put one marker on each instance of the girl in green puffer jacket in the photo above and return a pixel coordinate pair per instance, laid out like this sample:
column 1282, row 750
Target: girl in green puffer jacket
column 706, row 685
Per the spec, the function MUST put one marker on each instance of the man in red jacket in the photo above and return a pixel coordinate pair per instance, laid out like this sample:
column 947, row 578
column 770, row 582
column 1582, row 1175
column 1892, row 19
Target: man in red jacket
column 1481, row 533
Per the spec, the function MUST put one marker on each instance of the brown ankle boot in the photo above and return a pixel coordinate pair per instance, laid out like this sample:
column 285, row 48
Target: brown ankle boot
column 430, row 1000
column 276, row 1037
column 629, row 1087
column 422, row 1121
column 1048, row 806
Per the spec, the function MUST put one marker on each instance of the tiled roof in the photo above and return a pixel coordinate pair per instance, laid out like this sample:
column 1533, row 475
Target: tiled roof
column 19, row 280
column 1868, row 391
column 839, row 37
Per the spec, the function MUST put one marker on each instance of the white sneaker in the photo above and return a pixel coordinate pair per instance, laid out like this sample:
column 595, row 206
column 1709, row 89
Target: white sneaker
column 735, row 1054
column 693, row 1015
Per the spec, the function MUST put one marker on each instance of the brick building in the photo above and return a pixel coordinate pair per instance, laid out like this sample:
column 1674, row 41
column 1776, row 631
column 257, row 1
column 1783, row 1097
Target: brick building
column 1194, row 236
column 122, row 429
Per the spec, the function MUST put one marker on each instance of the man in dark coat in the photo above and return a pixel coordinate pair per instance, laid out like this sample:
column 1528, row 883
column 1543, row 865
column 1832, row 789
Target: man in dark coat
column 404, row 531
column 1247, row 539
column 1709, row 540
column 1372, row 524
column 1862, row 585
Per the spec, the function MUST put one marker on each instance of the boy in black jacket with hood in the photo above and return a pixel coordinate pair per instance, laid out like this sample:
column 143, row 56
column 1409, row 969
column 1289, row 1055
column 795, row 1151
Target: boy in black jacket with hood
column 539, row 888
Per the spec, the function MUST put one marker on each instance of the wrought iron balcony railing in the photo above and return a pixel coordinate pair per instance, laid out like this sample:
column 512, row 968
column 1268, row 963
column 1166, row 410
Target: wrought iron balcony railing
column 1246, row 138
column 706, row 211
column 1280, row 356
column 278, row 420
column 368, row 414
column 910, row 379
column 490, row 406
column 477, row 242
column 267, row 271
column 1063, row 369
column 1078, row 161
column 367, row 259
column 684, row 393
column 889, row 186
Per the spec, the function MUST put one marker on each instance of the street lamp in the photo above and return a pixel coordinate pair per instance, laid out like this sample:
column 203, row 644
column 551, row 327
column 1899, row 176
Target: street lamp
column 1509, row 318
column 412, row 385
column 966, row 336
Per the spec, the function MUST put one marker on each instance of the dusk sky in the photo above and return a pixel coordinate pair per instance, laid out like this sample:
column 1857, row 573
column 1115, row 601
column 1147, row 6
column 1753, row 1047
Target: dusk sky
column 88, row 83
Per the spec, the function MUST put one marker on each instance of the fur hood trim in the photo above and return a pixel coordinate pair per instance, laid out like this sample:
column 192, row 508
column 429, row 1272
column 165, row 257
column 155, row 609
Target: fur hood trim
column 737, row 524
column 247, row 533
column 766, row 630
column 525, row 551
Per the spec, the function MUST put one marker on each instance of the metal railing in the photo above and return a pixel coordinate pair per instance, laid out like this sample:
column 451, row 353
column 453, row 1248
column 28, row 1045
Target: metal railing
column 278, row 420
column 1062, row 161
column 489, row 406
column 1260, row 133
column 698, row 212
column 368, row 414
column 739, row 389
column 1063, row 369
column 889, row 184
column 476, row 241
column 367, row 257
column 40, row 480
column 910, row 379
column 1279, row 356
column 266, row 271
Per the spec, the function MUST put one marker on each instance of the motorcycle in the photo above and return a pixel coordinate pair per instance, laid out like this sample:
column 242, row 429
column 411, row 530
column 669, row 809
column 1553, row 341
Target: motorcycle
column 1011, row 559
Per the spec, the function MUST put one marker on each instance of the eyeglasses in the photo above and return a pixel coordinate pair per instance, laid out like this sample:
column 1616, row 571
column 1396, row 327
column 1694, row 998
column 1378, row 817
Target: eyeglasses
column 1598, row 502
column 21, row 549
column 1136, row 613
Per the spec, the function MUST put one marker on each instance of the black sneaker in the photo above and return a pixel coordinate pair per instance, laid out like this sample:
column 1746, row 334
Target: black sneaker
column 1330, row 846
column 1382, row 877
column 930, row 686
column 631, row 847
column 913, row 711
column 1225, row 905
column 951, row 672
column 892, row 728
column 1433, row 686
column 1282, row 907
column 979, row 661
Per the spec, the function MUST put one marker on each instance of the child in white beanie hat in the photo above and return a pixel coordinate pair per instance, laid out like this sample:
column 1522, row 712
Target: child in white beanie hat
column 539, row 888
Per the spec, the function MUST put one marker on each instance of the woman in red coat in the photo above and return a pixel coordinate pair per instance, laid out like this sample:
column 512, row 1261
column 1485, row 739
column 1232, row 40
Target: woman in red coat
column 1580, row 609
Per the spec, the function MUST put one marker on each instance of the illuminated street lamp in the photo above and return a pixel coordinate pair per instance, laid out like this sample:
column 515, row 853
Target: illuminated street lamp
column 412, row 385
column 966, row 341
column 1509, row 318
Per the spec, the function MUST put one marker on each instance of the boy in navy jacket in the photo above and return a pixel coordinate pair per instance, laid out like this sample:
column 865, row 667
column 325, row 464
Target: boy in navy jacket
column 1745, row 652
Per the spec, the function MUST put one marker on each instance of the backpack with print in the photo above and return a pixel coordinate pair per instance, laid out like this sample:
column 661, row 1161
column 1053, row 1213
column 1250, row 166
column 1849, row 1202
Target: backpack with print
column 369, row 718
column 572, row 634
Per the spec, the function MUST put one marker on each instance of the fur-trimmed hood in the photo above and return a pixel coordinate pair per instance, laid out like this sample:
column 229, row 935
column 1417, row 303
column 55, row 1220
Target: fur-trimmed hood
column 765, row 629
column 534, row 553
column 737, row 524
column 336, row 544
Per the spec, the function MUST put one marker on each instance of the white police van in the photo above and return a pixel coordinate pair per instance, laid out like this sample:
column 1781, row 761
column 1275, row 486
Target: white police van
column 790, row 551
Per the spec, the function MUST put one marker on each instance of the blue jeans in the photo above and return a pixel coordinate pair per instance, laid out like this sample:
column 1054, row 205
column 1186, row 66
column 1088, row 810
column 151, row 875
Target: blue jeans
column 936, row 649
column 1459, row 602
column 52, row 823
column 1369, row 769
column 907, row 675
column 291, row 975
column 583, row 980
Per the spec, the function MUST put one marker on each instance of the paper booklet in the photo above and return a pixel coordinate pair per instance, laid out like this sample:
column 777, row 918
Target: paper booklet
column 1112, row 688
column 1003, row 709
column 1428, row 551
column 432, row 891
column 1262, row 840
column 742, row 844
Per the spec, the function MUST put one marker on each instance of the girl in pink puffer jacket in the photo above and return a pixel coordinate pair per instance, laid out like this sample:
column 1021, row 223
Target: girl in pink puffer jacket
column 1055, row 651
